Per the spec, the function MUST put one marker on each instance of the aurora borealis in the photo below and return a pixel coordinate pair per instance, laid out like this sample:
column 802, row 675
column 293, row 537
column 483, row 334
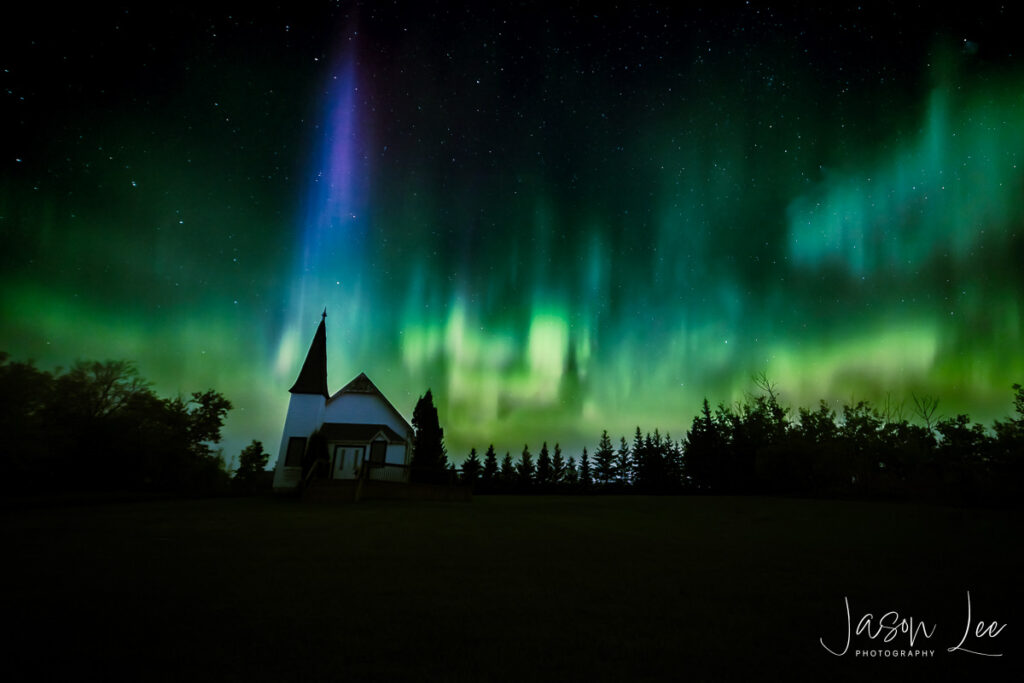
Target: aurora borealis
column 559, row 219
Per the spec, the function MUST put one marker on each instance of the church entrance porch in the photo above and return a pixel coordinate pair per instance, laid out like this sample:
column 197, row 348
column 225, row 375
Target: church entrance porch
column 347, row 461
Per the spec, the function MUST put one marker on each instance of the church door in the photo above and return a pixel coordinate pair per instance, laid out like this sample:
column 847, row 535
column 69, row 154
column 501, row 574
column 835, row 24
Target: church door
column 347, row 460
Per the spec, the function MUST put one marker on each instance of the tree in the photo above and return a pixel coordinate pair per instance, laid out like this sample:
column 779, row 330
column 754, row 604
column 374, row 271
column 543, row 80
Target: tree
column 962, row 454
column 252, row 464
column 702, row 454
column 637, row 454
column 673, row 464
column 525, row 469
column 94, row 389
column 1010, row 433
column 429, row 457
column 756, row 430
column 471, row 468
column 206, row 412
column 557, row 466
column 623, row 464
column 489, row 475
column 507, row 475
column 570, row 476
column 860, row 444
column 650, row 468
column 1007, row 465
column 99, row 426
column 604, row 466
column 925, row 407
column 25, row 395
column 544, row 470
column 252, row 459
column 584, row 471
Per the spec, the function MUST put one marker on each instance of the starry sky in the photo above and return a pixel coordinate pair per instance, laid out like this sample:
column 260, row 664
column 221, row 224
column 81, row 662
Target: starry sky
column 560, row 219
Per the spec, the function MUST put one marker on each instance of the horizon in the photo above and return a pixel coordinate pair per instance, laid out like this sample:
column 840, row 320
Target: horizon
column 558, row 222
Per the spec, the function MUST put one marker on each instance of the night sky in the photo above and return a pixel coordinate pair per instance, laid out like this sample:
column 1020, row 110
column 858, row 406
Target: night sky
column 559, row 218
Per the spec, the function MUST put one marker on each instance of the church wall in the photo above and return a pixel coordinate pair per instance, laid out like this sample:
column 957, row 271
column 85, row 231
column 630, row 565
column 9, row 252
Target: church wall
column 395, row 454
column 305, row 415
column 363, row 409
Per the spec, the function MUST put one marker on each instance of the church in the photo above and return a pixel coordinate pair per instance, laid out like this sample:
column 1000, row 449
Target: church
column 365, row 434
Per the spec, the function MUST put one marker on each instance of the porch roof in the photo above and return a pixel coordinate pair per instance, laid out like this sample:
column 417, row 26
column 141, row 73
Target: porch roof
column 358, row 433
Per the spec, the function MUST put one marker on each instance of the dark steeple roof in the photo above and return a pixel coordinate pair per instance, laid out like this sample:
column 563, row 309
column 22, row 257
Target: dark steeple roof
column 313, row 376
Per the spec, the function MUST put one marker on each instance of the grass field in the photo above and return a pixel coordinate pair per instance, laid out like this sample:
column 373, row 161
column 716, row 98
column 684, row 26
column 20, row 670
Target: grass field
column 504, row 588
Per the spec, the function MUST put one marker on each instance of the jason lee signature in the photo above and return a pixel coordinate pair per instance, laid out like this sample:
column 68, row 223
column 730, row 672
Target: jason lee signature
column 977, row 636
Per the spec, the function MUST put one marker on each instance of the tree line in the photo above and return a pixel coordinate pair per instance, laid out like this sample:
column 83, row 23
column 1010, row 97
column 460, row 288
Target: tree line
column 759, row 446
column 99, row 426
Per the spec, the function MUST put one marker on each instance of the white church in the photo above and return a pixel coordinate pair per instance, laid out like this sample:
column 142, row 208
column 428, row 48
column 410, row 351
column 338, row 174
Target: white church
column 366, row 436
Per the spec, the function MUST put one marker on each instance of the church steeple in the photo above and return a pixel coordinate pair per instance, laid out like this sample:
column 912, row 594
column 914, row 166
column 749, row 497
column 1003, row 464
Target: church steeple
column 313, row 376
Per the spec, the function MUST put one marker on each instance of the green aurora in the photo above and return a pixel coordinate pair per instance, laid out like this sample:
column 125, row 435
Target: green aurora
column 555, row 236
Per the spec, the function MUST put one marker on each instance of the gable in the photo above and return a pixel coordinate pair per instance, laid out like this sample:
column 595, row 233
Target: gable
column 360, row 401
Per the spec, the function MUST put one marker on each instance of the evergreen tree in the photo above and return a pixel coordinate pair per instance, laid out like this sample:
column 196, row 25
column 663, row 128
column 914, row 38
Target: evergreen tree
column 650, row 468
column 569, row 475
column 507, row 474
column 1010, row 433
column 557, row 466
column 489, row 475
column 638, row 449
column 584, row 471
column 429, row 457
column 471, row 468
column 1006, row 470
column 604, row 458
column 638, row 457
column 623, row 463
column 703, row 452
column 544, row 470
column 525, row 469
column 673, row 464
column 252, row 462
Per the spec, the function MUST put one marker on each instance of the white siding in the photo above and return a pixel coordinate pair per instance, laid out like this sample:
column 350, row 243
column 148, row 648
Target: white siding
column 396, row 454
column 305, row 415
column 364, row 409
column 307, row 412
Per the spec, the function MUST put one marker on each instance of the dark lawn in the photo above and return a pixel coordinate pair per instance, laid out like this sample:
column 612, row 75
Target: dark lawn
column 504, row 588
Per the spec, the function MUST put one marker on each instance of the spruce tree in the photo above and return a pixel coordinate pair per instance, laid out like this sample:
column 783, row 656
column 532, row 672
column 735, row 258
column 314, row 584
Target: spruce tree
column 584, row 472
column 623, row 463
column 544, row 467
column 507, row 474
column 429, row 458
column 703, row 452
column 650, row 473
column 557, row 466
column 251, row 463
column 252, row 460
column 489, row 475
column 638, row 449
column 655, row 463
column 525, row 469
column 471, row 468
column 569, row 476
column 604, row 459
column 673, row 465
